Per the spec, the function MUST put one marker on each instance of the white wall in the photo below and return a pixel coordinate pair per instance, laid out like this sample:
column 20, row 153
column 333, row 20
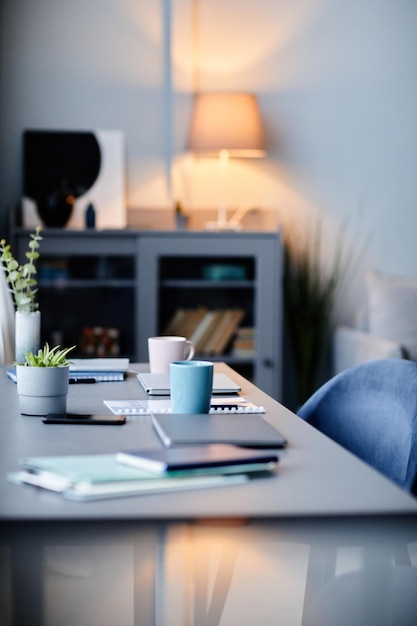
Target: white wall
column 337, row 86
column 336, row 83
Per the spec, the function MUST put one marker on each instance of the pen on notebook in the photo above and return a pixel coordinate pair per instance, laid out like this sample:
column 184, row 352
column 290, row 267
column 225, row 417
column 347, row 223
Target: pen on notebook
column 81, row 381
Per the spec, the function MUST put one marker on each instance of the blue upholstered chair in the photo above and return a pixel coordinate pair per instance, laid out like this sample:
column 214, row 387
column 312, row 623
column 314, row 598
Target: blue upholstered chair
column 371, row 410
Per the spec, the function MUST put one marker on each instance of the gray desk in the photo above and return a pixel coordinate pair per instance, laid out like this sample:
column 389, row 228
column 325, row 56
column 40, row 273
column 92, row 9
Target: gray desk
column 276, row 530
column 314, row 477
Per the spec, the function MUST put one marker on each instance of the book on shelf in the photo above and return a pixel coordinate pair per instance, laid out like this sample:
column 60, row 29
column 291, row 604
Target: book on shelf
column 185, row 321
column 174, row 324
column 203, row 330
column 244, row 342
column 192, row 321
column 229, row 325
column 210, row 331
column 226, row 324
column 98, row 476
column 204, row 341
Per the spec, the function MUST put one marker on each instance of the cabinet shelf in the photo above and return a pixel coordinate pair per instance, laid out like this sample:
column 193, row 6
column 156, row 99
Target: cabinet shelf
column 207, row 284
column 227, row 358
column 87, row 284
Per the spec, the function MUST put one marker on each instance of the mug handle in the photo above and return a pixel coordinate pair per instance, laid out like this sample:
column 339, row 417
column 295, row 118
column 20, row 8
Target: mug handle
column 191, row 350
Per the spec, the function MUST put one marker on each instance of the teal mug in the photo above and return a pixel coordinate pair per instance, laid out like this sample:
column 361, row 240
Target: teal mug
column 191, row 384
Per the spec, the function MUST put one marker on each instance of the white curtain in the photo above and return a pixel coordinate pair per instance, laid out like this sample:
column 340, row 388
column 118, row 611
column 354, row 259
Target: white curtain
column 7, row 315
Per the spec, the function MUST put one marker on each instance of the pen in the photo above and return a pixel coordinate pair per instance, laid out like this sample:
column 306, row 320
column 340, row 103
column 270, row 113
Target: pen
column 81, row 381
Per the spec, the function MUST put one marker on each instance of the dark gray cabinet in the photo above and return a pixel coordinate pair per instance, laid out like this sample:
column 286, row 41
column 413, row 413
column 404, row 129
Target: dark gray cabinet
column 172, row 272
column 134, row 281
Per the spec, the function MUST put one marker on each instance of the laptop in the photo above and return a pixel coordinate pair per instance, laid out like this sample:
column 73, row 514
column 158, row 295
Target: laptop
column 158, row 384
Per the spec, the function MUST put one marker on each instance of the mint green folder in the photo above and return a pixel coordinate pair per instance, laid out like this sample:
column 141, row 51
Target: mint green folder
column 92, row 477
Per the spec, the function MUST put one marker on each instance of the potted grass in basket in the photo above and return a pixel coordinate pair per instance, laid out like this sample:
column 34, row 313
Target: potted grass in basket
column 42, row 381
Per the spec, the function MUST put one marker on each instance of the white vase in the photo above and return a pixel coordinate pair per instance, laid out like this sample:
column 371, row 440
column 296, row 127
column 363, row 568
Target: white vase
column 27, row 334
column 42, row 390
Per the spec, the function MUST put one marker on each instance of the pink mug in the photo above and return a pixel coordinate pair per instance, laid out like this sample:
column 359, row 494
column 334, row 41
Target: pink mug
column 165, row 350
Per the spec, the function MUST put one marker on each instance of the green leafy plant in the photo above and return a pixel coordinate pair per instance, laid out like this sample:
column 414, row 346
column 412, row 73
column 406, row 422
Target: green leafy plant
column 310, row 295
column 47, row 357
column 21, row 279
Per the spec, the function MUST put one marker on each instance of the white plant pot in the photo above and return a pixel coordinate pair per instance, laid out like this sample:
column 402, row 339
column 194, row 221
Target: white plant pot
column 27, row 334
column 42, row 390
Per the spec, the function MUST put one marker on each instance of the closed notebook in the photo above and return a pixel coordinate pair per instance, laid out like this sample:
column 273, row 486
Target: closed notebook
column 242, row 429
column 194, row 459
column 112, row 364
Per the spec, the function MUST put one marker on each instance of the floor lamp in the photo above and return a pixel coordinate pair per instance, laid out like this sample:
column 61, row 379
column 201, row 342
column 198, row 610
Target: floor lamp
column 225, row 125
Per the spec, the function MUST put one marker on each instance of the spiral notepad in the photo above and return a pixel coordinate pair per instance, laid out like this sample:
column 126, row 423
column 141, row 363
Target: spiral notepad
column 146, row 407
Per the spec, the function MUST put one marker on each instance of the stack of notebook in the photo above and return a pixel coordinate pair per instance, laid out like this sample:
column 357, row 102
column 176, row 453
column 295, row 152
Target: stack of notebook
column 134, row 472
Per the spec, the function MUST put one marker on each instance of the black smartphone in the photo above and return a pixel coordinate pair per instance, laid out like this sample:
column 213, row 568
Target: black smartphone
column 103, row 419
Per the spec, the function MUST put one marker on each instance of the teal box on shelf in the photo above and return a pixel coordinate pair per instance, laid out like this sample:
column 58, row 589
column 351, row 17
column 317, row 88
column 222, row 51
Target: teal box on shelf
column 224, row 272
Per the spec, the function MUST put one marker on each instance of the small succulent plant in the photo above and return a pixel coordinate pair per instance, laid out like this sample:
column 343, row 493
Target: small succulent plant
column 47, row 357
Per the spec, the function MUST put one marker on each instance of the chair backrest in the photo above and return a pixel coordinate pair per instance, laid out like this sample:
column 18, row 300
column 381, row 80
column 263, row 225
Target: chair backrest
column 371, row 410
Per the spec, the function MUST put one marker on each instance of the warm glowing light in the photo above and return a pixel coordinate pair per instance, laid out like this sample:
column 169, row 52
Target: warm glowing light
column 226, row 122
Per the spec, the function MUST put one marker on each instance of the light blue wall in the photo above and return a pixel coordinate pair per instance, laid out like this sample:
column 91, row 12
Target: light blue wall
column 348, row 118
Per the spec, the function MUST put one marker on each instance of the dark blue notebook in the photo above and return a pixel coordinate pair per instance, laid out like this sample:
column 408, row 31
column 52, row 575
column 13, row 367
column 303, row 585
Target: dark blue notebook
column 217, row 457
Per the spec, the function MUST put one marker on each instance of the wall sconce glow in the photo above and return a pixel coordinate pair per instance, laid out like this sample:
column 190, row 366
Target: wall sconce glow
column 226, row 125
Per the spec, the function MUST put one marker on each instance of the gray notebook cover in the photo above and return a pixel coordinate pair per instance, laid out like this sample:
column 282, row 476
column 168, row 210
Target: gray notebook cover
column 240, row 429
column 158, row 384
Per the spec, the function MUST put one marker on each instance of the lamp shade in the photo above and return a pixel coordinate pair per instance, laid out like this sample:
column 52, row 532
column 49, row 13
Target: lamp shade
column 226, row 121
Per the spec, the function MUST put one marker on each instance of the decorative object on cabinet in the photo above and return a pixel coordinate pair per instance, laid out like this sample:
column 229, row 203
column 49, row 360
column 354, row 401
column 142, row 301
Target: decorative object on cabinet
column 226, row 125
column 66, row 171
column 100, row 342
column 27, row 333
